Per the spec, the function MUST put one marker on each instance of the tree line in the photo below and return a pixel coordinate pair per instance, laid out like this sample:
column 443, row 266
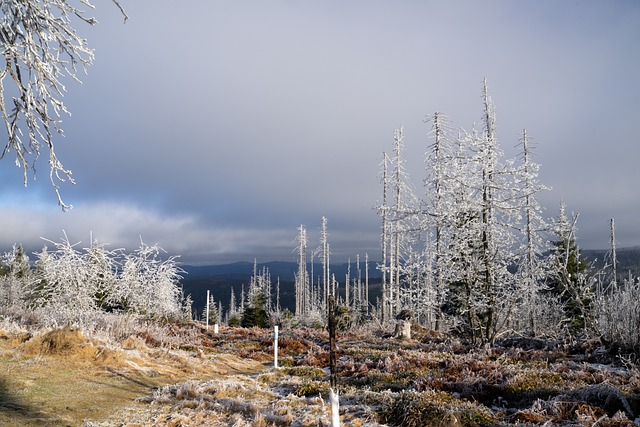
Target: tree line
column 472, row 253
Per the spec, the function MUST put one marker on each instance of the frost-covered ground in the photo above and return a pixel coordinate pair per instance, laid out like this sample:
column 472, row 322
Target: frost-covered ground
column 189, row 376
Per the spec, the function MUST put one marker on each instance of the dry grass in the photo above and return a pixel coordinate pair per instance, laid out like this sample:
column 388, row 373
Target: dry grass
column 184, row 375
column 61, row 377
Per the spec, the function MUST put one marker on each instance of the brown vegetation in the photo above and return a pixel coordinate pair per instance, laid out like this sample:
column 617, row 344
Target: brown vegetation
column 187, row 375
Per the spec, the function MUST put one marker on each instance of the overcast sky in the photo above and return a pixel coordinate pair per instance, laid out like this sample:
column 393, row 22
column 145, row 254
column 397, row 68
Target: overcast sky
column 215, row 128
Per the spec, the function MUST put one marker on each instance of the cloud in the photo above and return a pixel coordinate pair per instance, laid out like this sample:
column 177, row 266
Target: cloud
column 216, row 128
column 124, row 226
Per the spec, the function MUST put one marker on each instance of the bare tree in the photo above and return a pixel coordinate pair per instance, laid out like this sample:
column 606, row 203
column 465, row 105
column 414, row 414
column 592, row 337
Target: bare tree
column 327, row 288
column 488, row 162
column 403, row 223
column 366, row 282
column 347, row 282
column 443, row 178
column 532, row 267
column 302, row 278
column 614, row 257
column 40, row 48
column 383, row 210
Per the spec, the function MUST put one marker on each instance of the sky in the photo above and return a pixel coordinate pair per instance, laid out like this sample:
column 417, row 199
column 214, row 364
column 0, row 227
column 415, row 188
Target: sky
column 215, row 128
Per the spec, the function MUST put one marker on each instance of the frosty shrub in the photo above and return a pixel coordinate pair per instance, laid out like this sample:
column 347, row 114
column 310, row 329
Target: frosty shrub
column 69, row 285
column 548, row 312
column 618, row 316
column 148, row 285
column 101, row 273
column 63, row 284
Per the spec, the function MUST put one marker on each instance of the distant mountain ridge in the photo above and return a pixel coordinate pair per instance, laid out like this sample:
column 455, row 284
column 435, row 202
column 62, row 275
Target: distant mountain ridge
column 278, row 269
column 221, row 279
column 628, row 260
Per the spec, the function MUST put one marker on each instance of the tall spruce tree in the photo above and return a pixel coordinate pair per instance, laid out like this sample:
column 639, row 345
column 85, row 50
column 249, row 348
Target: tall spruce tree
column 570, row 279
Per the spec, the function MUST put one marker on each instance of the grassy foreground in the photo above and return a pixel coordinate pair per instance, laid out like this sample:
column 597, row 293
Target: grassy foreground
column 189, row 376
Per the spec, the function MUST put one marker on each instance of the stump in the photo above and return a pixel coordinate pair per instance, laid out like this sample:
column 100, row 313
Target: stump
column 403, row 330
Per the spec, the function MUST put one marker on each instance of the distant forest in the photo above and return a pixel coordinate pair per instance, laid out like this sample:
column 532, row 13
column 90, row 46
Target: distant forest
column 220, row 279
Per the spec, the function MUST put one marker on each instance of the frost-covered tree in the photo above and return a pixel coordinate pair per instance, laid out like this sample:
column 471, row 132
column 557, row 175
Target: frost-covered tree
column 444, row 177
column 403, row 222
column 494, row 205
column 303, row 297
column 347, row 285
column 234, row 313
column 148, row 284
column 533, row 269
column 452, row 224
column 102, row 269
column 418, row 288
column 258, row 307
column 383, row 211
column 63, row 284
column 40, row 49
column 215, row 311
column 360, row 288
column 325, row 260
column 16, row 274
column 366, row 283
column 614, row 256
column 466, row 266
column 36, row 287
column 187, row 306
column 570, row 276
column 398, row 211
column 469, row 220
column 487, row 159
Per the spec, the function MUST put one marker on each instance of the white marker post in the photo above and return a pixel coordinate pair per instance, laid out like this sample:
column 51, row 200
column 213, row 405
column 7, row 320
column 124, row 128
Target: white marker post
column 335, row 408
column 207, row 315
column 215, row 328
column 275, row 347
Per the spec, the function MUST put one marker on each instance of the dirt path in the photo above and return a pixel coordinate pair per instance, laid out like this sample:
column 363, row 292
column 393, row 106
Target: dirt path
column 63, row 379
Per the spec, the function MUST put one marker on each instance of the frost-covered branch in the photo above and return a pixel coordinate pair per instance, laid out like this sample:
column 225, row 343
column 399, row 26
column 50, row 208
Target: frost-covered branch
column 40, row 48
